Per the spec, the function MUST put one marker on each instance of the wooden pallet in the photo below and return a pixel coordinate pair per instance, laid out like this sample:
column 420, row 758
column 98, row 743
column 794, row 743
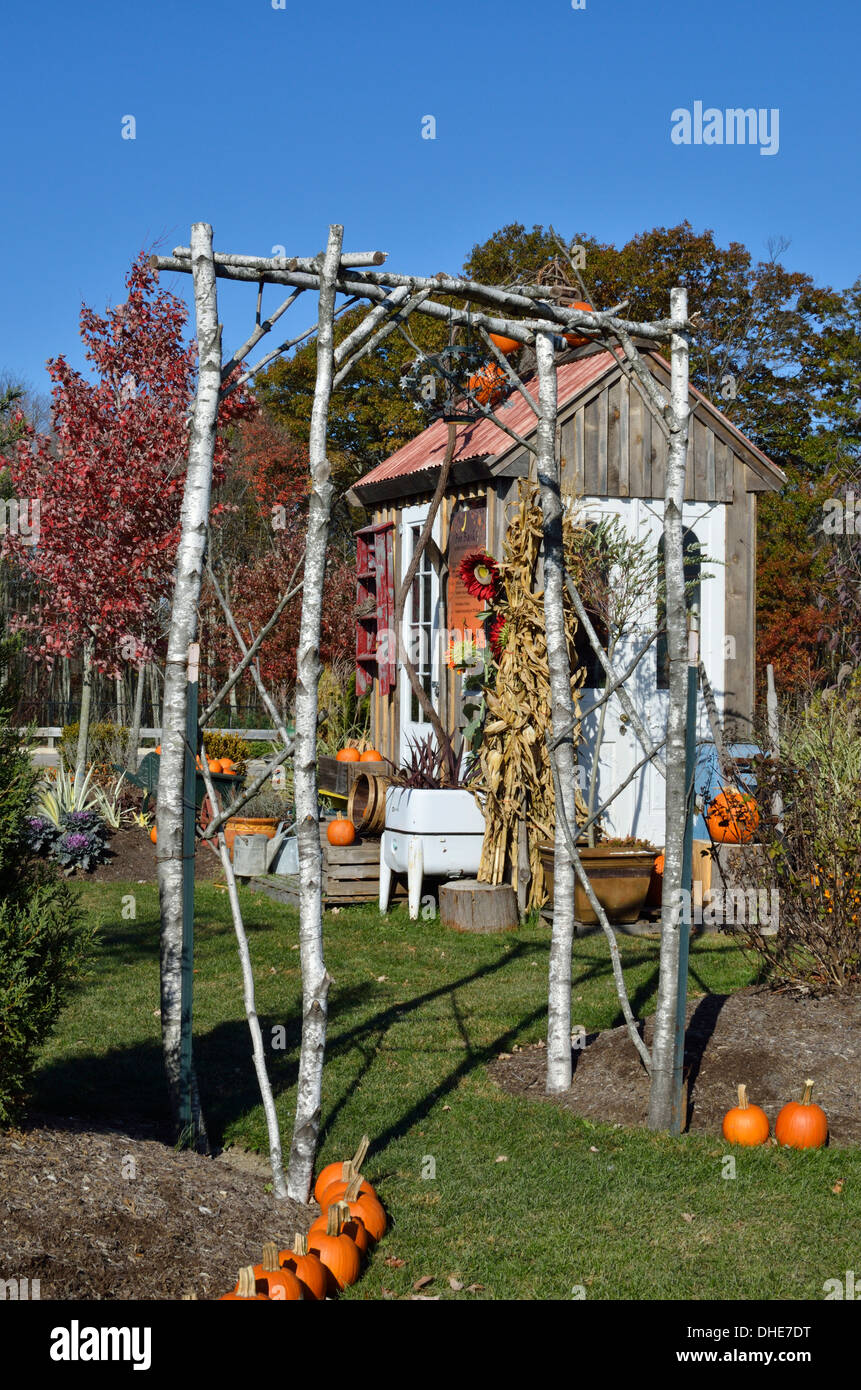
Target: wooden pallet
column 351, row 874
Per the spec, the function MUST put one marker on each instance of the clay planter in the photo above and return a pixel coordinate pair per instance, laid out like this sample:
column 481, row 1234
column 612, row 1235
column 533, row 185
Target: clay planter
column 619, row 879
column 250, row 825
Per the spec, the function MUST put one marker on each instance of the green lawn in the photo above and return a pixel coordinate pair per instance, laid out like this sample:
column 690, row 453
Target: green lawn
column 416, row 1012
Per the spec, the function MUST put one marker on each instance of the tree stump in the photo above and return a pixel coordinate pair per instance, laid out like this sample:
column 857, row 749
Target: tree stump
column 468, row 905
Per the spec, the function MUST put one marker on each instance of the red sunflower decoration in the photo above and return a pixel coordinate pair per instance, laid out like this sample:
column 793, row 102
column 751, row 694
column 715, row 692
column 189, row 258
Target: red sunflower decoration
column 480, row 575
column 498, row 635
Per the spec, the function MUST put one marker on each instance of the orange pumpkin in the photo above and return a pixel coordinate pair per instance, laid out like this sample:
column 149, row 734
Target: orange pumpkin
column 153, row 834
column 246, row 1287
column 505, row 345
column 745, row 1124
column 337, row 1252
column 347, row 1225
column 364, row 1205
column 371, row 755
column 347, row 755
column 308, row 1268
column 573, row 339
column 214, row 764
column 340, row 831
column 804, row 1125
column 336, row 1190
column 158, row 748
column 489, row 385
column 333, row 1171
column 227, row 765
column 732, row 817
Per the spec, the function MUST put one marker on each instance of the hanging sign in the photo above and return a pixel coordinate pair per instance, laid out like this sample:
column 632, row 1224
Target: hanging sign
column 467, row 533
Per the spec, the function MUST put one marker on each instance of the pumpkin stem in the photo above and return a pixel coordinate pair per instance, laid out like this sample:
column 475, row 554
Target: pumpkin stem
column 300, row 1244
column 270, row 1257
column 333, row 1220
column 247, row 1285
column 808, row 1092
column 361, row 1152
column 355, row 1187
column 742, row 1097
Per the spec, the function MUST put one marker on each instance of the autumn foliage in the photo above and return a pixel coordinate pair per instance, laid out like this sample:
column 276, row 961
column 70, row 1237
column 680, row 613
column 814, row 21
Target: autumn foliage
column 110, row 480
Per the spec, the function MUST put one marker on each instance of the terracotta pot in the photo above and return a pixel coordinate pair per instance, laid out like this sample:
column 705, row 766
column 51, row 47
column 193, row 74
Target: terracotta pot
column 619, row 879
column 242, row 825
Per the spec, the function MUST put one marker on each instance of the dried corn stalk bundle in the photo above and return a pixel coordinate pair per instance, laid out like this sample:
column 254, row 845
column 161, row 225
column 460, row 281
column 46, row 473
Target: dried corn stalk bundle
column 514, row 761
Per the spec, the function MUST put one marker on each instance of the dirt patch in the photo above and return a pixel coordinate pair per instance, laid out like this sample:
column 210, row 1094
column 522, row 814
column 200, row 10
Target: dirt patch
column 133, row 860
column 772, row 1042
column 104, row 1214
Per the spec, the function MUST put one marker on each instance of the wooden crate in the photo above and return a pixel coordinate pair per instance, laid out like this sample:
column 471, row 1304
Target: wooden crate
column 351, row 874
column 337, row 778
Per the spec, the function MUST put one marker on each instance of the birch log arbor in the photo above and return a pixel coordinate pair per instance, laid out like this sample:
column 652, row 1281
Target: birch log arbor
column 520, row 314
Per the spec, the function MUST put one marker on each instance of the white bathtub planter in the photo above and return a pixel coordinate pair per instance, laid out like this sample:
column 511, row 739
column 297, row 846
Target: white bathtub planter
column 437, row 832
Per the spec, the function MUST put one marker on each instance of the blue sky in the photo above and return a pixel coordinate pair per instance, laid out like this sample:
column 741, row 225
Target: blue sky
column 271, row 123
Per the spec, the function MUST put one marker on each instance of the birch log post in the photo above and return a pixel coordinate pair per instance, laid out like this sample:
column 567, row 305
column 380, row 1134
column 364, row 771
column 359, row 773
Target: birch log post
column 773, row 719
column 672, row 923
column 315, row 978
column 559, row 989
column 182, row 632
column 137, row 715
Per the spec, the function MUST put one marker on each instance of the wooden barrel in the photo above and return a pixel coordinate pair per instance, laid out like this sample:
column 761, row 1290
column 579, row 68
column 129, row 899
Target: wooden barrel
column 366, row 805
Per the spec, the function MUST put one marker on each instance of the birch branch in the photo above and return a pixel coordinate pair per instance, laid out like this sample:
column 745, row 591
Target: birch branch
column 618, row 973
column 251, row 651
column 276, row 352
column 272, row 1129
column 396, row 321
column 260, row 331
column 248, row 791
column 349, row 258
column 624, row 698
column 268, row 702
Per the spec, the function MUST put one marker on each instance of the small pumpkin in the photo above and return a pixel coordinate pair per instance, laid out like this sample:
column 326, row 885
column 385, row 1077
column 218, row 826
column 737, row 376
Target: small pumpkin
column 334, row 1191
column 574, row 339
column 745, row 1124
column 347, row 1225
column 802, row 1125
column 153, row 834
column 227, row 765
column 347, row 755
column 214, row 764
column 340, row 831
column 246, row 1287
column 364, row 1205
column 280, row 1284
column 370, row 755
column 489, row 385
column 732, row 817
column 337, row 1252
column 332, row 1171
column 308, row 1268
column 505, row 345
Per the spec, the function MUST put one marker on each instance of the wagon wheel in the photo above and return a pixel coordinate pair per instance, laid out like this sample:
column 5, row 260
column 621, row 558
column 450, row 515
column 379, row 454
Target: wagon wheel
column 205, row 816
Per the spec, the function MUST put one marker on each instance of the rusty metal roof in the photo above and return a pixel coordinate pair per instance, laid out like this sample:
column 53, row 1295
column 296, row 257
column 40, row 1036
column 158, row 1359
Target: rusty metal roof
column 483, row 439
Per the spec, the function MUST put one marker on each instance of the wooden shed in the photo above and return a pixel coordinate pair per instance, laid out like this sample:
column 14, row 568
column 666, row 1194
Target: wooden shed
column 613, row 459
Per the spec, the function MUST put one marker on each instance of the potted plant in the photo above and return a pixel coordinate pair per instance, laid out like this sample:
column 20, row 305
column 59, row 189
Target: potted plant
column 619, row 871
column 434, row 822
column 260, row 815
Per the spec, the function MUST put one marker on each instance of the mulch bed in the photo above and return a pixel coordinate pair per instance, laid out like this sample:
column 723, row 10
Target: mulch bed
column 181, row 1227
column 770, row 1041
column 133, row 860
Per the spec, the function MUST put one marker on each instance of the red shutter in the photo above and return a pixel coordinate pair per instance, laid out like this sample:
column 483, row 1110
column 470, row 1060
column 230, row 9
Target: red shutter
column 375, row 598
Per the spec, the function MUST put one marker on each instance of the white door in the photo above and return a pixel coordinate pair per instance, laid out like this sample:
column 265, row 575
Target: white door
column 421, row 630
column 640, row 809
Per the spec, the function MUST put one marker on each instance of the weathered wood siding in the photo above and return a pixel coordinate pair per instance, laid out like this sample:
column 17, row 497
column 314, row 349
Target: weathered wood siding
column 611, row 445
column 740, row 608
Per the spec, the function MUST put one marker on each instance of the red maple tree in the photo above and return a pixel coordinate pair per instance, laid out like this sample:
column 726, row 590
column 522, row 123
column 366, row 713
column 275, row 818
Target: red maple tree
column 110, row 481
